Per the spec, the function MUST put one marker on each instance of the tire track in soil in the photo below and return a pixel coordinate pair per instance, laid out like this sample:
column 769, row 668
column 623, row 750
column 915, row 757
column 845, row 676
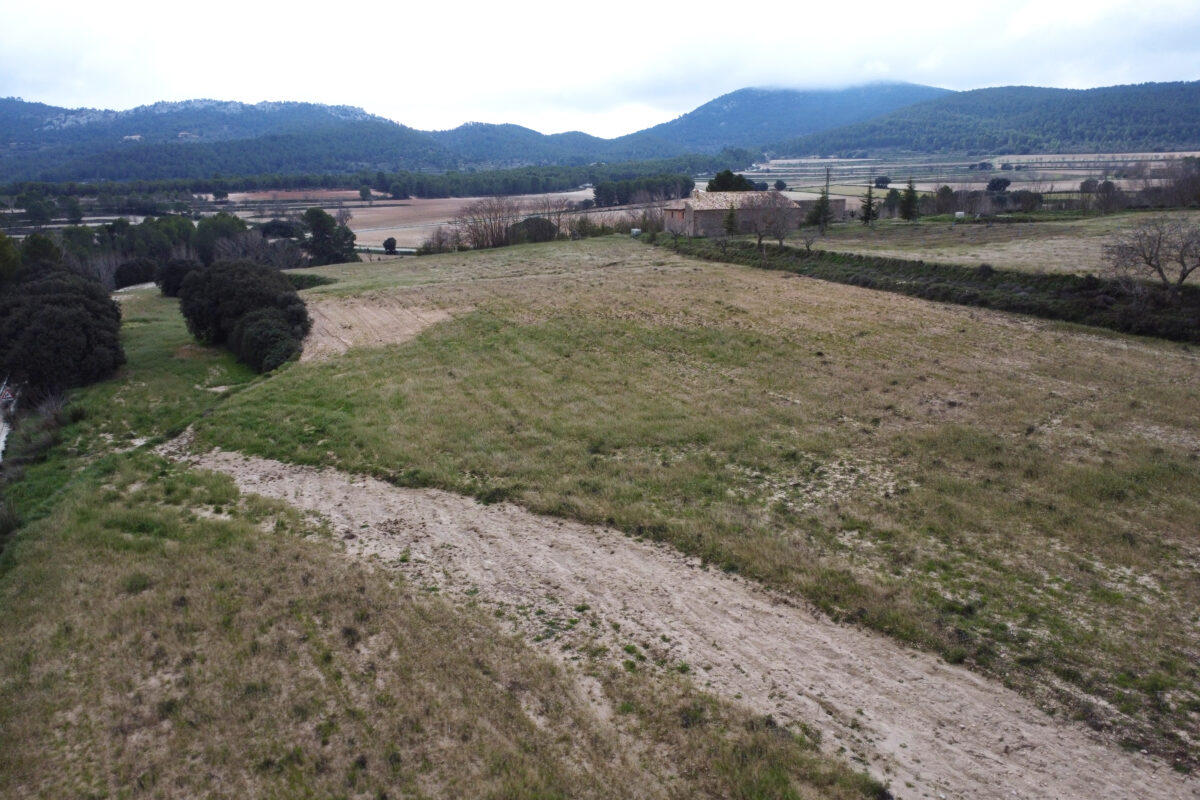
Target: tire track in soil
column 930, row 728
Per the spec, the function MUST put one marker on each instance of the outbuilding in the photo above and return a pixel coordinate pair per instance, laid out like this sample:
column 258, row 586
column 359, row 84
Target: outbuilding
column 703, row 214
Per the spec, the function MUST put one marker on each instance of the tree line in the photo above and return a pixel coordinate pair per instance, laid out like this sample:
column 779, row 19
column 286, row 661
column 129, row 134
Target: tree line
column 400, row 185
column 642, row 190
column 121, row 253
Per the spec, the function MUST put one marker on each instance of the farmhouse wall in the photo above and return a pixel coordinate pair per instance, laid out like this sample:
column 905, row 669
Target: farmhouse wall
column 703, row 214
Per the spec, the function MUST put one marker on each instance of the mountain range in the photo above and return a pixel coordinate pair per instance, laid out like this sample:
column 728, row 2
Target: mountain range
column 203, row 138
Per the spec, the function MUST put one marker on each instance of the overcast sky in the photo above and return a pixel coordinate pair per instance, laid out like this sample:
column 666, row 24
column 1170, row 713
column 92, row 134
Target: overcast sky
column 607, row 68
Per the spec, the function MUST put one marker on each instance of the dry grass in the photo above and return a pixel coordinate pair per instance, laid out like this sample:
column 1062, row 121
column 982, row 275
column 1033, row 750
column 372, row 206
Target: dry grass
column 168, row 638
column 1071, row 246
column 163, row 636
column 1017, row 494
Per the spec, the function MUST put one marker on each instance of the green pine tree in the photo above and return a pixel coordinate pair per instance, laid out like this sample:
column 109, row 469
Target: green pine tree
column 820, row 214
column 731, row 221
column 870, row 207
column 909, row 203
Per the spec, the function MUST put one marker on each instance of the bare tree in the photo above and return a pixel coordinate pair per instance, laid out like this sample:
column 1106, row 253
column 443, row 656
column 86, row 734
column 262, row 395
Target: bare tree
column 1161, row 248
column 252, row 246
column 649, row 218
column 552, row 207
column 809, row 236
column 484, row 223
column 442, row 240
column 770, row 214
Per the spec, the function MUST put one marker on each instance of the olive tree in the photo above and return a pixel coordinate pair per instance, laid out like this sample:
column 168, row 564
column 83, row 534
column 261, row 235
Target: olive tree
column 1163, row 250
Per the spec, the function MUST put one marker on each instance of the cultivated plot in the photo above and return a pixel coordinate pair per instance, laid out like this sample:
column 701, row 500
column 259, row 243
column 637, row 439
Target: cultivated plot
column 1014, row 494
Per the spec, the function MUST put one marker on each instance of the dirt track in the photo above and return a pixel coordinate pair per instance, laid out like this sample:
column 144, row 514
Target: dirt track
column 932, row 729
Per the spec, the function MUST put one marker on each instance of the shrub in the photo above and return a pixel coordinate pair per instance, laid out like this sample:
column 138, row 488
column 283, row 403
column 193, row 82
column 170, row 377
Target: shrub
column 532, row 229
column 252, row 308
column 263, row 339
column 307, row 280
column 131, row 273
column 282, row 229
column 59, row 331
column 213, row 299
column 171, row 274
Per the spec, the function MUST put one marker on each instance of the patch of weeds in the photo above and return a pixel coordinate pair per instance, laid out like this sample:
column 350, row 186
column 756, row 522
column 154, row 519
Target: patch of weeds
column 955, row 655
column 693, row 715
column 136, row 583
column 167, row 708
column 325, row 730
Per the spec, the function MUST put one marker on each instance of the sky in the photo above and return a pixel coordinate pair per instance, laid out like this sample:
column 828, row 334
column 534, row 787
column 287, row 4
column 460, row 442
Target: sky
column 606, row 68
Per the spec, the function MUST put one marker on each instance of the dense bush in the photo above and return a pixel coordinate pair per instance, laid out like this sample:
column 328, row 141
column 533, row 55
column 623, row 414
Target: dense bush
column 171, row 274
column 58, row 331
column 307, row 280
column 131, row 273
column 214, row 301
column 532, row 229
column 264, row 339
column 282, row 229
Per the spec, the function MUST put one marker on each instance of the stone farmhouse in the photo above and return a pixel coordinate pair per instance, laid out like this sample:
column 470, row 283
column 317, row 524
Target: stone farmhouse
column 703, row 214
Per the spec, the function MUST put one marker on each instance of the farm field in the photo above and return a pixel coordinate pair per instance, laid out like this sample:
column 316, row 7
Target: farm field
column 1074, row 246
column 1014, row 494
column 946, row 488
column 410, row 222
column 164, row 634
column 1043, row 173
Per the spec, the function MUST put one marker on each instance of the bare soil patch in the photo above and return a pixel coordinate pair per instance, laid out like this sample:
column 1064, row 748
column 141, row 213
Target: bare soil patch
column 342, row 323
column 582, row 592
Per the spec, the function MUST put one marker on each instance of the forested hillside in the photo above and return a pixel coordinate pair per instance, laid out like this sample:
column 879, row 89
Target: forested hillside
column 201, row 139
column 332, row 148
column 208, row 139
column 753, row 117
column 1025, row 119
column 513, row 145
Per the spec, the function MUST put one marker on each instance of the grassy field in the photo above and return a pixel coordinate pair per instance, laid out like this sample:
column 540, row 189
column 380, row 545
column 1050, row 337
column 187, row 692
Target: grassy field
column 1070, row 246
column 163, row 636
column 1014, row 494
